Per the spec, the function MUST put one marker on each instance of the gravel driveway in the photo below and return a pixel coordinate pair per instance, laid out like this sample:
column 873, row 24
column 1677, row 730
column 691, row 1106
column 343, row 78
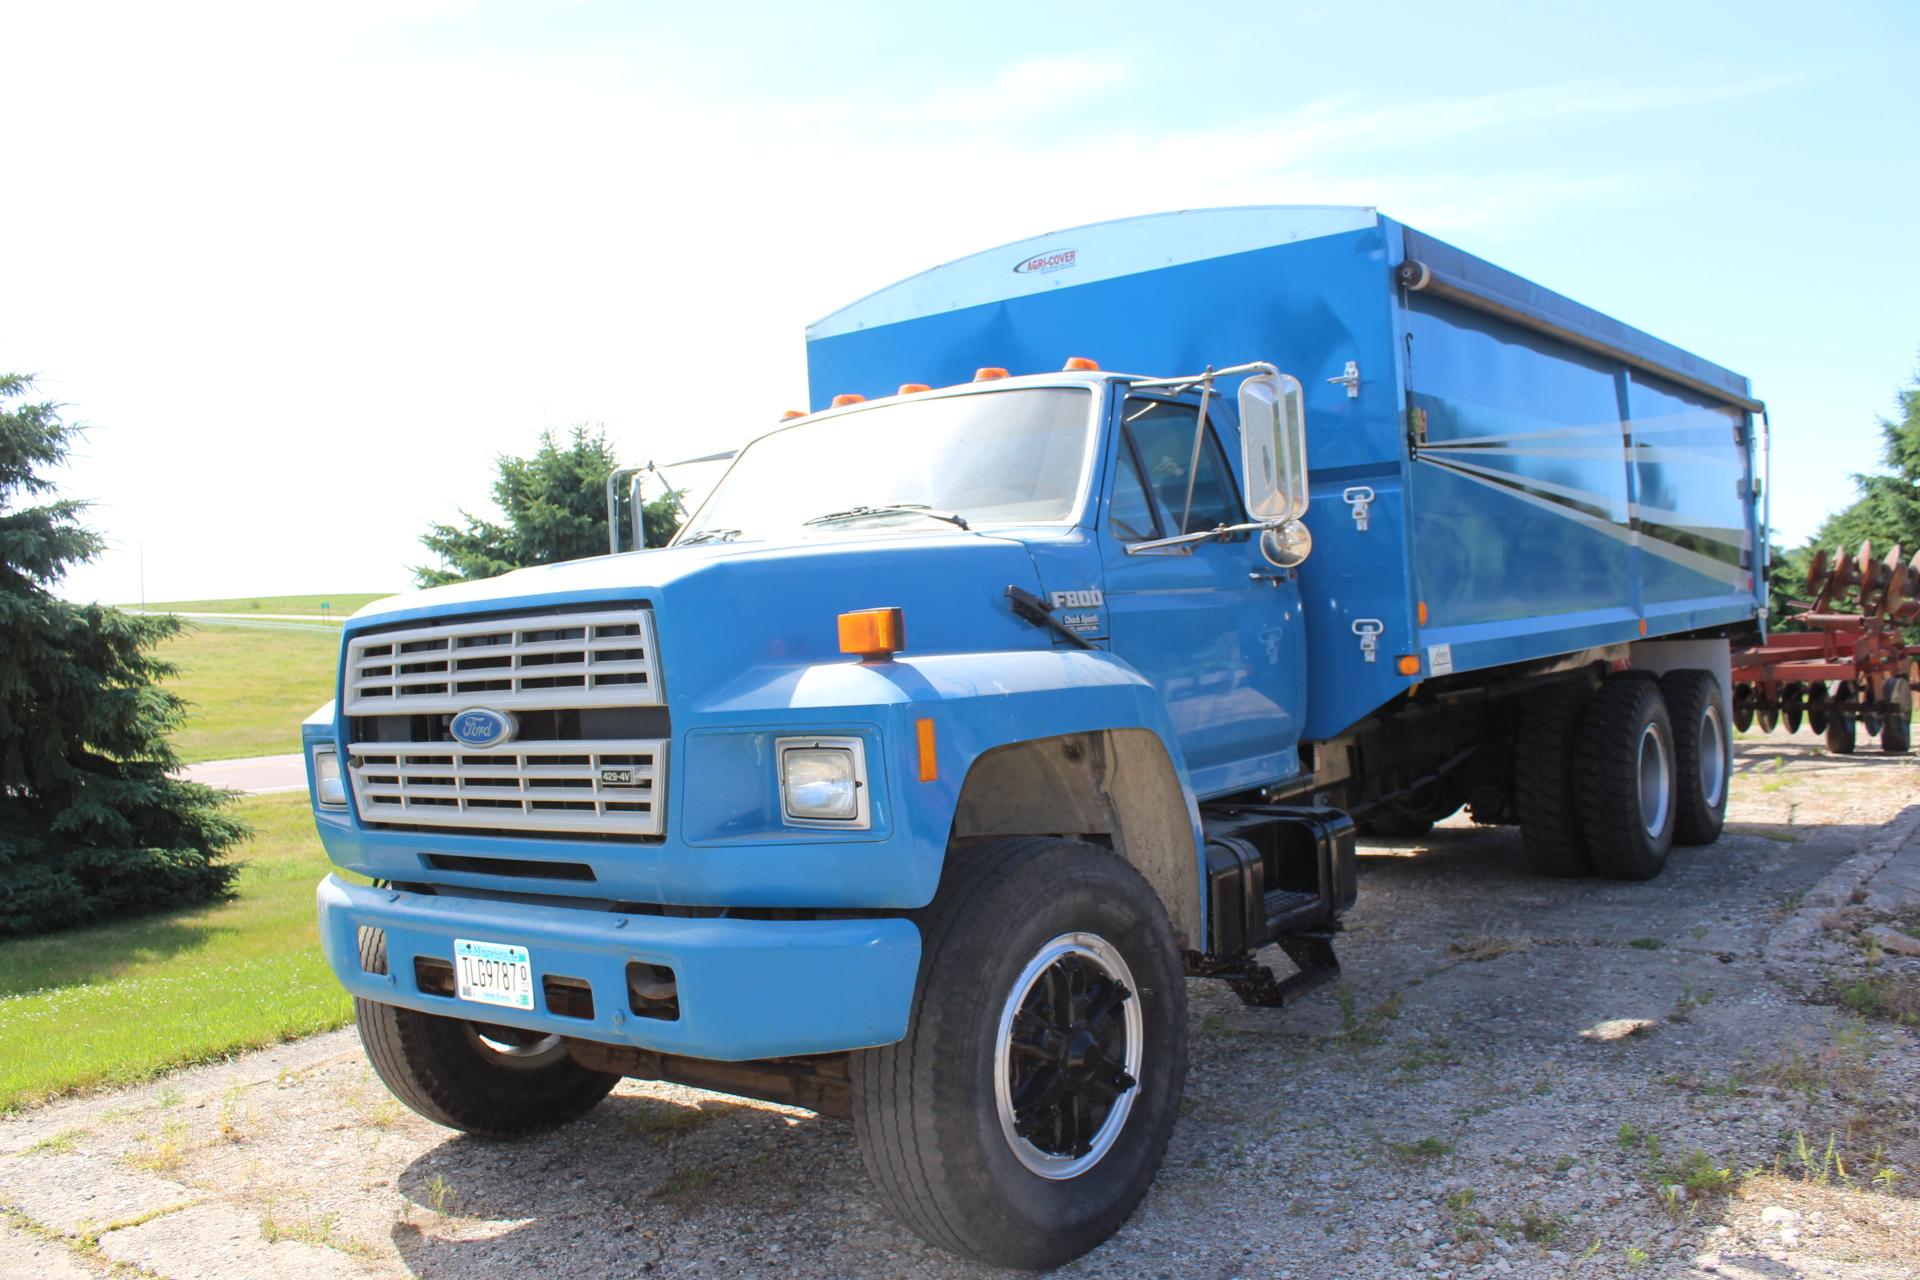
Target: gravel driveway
column 1437, row 1113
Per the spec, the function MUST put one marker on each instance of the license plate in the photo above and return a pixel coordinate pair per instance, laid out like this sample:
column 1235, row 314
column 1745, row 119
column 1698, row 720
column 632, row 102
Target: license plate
column 493, row 973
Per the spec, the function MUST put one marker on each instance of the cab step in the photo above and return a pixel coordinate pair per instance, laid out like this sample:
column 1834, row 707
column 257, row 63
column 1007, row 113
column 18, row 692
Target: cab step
column 1255, row 984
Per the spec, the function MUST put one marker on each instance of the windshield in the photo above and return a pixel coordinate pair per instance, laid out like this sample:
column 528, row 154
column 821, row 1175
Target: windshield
column 1003, row 457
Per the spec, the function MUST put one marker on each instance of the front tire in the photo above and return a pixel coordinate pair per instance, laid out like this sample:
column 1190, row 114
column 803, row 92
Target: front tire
column 1703, row 754
column 494, row 1081
column 1626, row 788
column 1027, row 1110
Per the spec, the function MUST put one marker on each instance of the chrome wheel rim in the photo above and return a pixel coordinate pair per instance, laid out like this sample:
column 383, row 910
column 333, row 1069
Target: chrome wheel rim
column 1713, row 757
column 1656, row 780
column 1067, row 1056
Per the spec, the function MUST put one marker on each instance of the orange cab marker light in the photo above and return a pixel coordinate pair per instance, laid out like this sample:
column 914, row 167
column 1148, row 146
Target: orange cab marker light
column 1643, row 626
column 873, row 633
column 929, row 762
column 1409, row 665
column 1423, row 613
column 988, row 373
column 911, row 388
column 847, row 398
column 1080, row 364
column 792, row 413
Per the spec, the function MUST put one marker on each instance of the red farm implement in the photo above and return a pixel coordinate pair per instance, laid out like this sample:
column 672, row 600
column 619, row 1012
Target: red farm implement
column 1851, row 669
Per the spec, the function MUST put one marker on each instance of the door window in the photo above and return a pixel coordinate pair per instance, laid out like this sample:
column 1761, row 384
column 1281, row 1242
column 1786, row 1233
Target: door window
column 1131, row 513
column 1161, row 433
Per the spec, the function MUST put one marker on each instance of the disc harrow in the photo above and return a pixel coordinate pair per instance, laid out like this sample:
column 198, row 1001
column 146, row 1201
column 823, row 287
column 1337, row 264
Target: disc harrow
column 1850, row 671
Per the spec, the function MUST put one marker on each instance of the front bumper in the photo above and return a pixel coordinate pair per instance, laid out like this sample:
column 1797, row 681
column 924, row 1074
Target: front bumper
column 747, row 988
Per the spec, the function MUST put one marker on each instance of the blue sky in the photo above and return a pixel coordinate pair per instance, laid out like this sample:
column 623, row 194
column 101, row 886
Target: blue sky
column 304, row 270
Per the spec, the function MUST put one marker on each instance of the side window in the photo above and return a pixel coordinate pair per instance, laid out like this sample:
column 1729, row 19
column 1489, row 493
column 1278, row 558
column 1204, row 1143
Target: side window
column 1162, row 433
column 1130, row 514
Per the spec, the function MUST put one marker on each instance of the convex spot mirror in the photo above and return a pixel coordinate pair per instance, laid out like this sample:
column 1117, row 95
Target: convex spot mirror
column 1273, row 447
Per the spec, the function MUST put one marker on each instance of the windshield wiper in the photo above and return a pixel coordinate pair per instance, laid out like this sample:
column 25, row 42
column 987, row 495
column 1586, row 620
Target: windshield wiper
column 888, row 509
column 708, row 535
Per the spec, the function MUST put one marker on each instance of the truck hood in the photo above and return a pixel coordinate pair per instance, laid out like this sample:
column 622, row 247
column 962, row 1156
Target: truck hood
column 728, row 610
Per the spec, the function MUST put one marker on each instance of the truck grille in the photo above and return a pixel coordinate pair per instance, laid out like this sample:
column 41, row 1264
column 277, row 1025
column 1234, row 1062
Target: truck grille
column 584, row 688
column 547, row 660
column 603, row 788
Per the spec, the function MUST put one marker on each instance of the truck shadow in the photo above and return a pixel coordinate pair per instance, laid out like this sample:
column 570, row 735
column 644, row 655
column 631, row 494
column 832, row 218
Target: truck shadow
column 653, row 1184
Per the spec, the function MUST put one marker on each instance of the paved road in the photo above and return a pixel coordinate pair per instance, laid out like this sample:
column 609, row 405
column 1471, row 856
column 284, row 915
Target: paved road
column 269, row 621
column 256, row 775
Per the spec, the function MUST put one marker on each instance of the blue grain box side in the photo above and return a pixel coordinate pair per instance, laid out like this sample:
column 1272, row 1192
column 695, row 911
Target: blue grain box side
column 1542, row 478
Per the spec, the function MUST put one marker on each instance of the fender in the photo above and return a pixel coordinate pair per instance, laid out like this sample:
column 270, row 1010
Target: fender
column 977, row 702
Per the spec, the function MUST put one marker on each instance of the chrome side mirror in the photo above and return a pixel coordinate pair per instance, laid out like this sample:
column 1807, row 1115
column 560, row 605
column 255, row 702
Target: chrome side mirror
column 1287, row 544
column 1273, row 447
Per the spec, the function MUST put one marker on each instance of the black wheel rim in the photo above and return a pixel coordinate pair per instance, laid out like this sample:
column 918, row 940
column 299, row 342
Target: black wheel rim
column 1068, row 1059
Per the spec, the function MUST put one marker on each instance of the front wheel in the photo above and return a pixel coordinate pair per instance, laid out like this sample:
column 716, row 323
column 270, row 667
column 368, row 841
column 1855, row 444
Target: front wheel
column 498, row 1082
column 1027, row 1110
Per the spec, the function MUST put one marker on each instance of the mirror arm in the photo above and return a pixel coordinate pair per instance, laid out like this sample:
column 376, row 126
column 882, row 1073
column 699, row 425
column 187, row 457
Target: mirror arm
column 1200, row 535
column 1199, row 437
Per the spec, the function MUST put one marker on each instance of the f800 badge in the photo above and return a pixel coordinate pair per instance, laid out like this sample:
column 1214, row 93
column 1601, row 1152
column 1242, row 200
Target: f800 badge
column 482, row 727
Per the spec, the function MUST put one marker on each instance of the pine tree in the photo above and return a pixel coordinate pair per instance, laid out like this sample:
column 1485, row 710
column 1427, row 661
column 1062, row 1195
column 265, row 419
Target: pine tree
column 555, row 508
column 1888, row 508
column 92, row 822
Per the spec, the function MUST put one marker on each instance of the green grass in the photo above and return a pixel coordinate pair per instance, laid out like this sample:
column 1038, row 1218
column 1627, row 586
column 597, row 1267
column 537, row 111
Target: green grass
column 120, row 1002
column 340, row 605
column 248, row 689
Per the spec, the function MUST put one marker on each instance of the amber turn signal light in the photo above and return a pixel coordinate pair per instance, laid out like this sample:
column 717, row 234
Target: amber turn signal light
column 873, row 633
column 1409, row 665
column 929, row 757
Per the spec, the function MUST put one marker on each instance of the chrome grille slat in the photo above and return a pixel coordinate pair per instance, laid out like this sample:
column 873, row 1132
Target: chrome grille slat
column 444, row 784
column 441, row 668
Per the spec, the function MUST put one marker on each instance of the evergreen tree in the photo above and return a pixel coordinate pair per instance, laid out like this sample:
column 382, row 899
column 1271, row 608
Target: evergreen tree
column 92, row 824
column 555, row 506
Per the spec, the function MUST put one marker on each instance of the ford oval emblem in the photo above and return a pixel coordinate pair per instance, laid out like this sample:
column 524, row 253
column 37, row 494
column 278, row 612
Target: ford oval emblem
column 482, row 727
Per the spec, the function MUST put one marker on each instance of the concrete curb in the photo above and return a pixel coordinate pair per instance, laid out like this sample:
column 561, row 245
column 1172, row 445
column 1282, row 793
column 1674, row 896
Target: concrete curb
column 1795, row 940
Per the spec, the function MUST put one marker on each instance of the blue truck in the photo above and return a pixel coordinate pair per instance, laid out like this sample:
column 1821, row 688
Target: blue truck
column 977, row 710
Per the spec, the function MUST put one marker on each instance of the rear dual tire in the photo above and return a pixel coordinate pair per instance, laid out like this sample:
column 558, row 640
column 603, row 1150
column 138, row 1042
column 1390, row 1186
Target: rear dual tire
column 1608, row 779
column 1625, row 789
column 1703, row 755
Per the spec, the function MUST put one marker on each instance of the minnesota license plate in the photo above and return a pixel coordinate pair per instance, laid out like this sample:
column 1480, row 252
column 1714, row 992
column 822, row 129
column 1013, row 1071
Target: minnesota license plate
column 492, row 973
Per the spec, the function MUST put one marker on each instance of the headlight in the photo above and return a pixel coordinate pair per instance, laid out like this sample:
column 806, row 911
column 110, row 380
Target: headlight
column 330, row 791
column 823, row 780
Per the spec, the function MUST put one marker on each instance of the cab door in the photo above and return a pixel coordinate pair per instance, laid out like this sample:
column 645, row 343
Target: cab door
column 1213, row 626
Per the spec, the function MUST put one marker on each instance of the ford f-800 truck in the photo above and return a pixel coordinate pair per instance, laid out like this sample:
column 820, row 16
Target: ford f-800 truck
column 1051, row 661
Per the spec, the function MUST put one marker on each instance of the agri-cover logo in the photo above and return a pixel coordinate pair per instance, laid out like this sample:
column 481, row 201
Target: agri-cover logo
column 1051, row 260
